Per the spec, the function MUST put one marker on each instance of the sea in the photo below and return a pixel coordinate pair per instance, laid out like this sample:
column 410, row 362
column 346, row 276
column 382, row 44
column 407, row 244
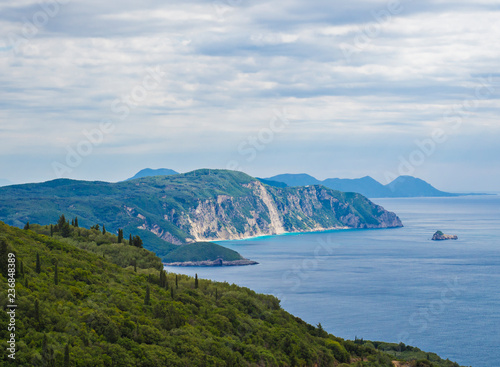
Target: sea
column 393, row 285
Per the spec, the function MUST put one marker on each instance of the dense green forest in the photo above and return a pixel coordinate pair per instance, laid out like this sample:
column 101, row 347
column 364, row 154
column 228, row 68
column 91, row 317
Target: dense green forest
column 77, row 306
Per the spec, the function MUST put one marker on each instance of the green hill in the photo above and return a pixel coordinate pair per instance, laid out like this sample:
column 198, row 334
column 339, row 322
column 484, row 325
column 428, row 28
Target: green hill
column 199, row 206
column 201, row 251
column 76, row 308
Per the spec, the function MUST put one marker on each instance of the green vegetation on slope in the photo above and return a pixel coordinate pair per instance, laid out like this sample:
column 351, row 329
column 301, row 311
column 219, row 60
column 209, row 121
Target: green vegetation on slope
column 76, row 308
column 118, row 250
column 201, row 251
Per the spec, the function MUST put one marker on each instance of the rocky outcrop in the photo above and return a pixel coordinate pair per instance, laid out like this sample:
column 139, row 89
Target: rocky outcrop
column 440, row 236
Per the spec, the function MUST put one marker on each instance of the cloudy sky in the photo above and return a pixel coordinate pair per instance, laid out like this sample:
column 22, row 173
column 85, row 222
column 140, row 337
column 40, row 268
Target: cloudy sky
column 101, row 89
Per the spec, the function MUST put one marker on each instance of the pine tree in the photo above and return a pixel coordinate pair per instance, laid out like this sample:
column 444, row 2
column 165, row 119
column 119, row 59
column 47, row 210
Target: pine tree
column 65, row 230
column 103, row 229
column 137, row 241
column 61, row 222
column 27, row 225
column 66, row 356
column 196, row 281
column 38, row 267
column 147, row 298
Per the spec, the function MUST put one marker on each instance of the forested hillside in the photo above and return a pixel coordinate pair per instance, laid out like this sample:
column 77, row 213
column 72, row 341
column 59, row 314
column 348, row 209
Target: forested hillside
column 77, row 308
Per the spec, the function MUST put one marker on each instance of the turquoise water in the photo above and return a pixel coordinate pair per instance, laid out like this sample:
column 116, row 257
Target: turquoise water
column 391, row 284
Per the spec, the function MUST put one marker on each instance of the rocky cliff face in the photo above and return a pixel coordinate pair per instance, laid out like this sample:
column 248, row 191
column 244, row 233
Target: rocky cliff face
column 203, row 205
column 263, row 210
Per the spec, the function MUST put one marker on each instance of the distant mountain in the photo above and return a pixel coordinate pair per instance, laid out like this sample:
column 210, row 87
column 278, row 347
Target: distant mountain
column 403, row 186
column 4, row 182
column 148, row 172
column 272, row 183
column 300, row 179
column 199, row 206
column 366, row 186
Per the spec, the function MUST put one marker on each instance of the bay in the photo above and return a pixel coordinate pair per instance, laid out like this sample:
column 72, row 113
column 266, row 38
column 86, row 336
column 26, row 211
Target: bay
column 392, row 284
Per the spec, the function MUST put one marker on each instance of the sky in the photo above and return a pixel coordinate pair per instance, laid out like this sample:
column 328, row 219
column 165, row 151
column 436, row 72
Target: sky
column 98, row 90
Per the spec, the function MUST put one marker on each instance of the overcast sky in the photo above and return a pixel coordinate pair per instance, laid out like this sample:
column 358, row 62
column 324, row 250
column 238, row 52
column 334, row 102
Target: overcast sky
column 98, row 90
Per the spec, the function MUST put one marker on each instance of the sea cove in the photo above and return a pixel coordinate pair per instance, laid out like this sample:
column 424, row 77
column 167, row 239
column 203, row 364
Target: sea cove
column 390, row 284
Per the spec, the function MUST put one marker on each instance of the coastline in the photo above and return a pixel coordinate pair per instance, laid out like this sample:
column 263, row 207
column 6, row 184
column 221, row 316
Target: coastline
column 287, row 234
column 213, row 263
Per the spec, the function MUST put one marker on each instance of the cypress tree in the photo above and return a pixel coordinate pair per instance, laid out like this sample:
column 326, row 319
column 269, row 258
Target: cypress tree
column 130, row 242
column 176, row 282
column 76, row 222
column 147, row 298
column 135, row 265
column 162, row 278
column 26, row 285
column 51, row 230
column 196, row 281
column 216, row 295
column 56, row 275
column 38, row 267
column 120, row 235
column 27, row 225
column 21, row 265
column 3, row 256
column 73, row 222
column 66, row 356
column 172, row 293
column 103, row 229
column 37, row 314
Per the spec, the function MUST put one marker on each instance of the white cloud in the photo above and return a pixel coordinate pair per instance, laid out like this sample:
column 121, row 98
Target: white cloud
column 227, row 67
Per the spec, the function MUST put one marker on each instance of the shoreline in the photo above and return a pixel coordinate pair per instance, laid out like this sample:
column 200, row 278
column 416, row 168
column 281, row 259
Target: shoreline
column 212, row 263
column 288, row 234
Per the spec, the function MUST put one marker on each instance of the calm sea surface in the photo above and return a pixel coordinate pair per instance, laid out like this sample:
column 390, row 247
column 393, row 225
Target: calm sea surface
column 392, row 284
